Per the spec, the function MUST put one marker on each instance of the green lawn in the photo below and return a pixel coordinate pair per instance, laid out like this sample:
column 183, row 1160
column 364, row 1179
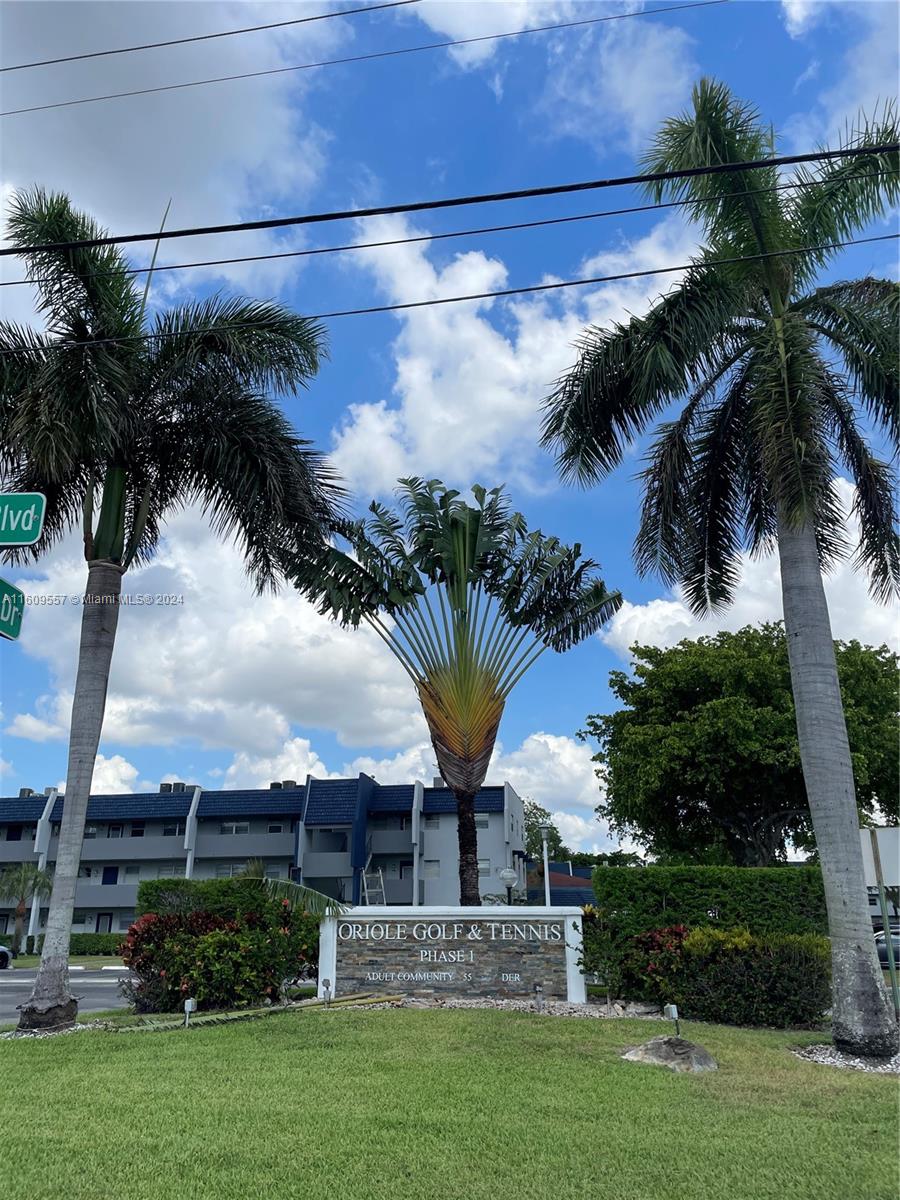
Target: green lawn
column 89, row 961
column 426, row 1105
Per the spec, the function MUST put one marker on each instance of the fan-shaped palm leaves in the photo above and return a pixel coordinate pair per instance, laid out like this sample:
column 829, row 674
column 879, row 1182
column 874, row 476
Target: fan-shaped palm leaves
column 120, row 418
column 779, row 383
column 467, row 598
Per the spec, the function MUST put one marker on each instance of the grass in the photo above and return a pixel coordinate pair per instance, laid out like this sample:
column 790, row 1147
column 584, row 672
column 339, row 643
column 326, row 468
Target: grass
column 92, row 962
column 430, row 1105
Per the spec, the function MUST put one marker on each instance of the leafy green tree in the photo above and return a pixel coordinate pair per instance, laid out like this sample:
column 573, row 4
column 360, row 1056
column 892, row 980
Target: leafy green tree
column 535, row 817
column 701, row 763
column 778, row 381
column 120, row 419
column 23, row 883
column 467, row 598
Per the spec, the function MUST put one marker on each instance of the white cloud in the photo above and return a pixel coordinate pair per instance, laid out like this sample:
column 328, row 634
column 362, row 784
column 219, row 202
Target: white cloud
column 224, row 152
column 296, row 760
column 665, row 621
column 866, row 78
column 6, row 768
column 223, row 668
column 800, row 15
column 615, row 84
column 470, row 377
column 468, row 20
column 112, row 776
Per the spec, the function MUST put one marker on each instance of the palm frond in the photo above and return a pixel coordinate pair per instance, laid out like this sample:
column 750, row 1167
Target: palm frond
column 860, row 320
column 304, row 899
column 260, row 343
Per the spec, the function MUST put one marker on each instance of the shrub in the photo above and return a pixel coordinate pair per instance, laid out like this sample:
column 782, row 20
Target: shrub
column 226, row 897
column 221, row 961
column 94, row 943
column 738, row 978
column 762, row 899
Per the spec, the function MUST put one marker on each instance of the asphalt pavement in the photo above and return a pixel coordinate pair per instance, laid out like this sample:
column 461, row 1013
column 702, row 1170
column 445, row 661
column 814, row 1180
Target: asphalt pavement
column 96, row 990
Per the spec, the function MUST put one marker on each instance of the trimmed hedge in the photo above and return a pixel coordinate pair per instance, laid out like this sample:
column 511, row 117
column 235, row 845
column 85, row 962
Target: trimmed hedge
column 95, row 943
column 227, row 898
column 762, row 899
column 735, row 978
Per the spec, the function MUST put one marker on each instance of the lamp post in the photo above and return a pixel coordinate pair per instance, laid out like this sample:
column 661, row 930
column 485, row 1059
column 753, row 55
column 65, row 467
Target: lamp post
column 545, row 834
column 509, row 878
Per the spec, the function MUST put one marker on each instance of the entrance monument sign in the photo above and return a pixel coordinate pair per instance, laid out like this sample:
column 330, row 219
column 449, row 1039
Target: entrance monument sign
column 496, row 950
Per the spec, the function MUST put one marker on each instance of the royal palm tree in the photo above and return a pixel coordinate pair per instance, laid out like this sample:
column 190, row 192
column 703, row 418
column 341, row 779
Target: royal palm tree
column 779, row 381
column 467, row 598
column 24, row 883
column 121, row 419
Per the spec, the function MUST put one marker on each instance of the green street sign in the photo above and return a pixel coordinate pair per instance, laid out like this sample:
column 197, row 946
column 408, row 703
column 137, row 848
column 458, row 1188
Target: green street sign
column 21, row 518
column 12, row 606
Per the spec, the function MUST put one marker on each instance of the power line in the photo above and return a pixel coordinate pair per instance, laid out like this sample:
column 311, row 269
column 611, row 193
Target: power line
column 359, row 58
column 425, row 237
column 454, row 202
column 205, row 37
column 519, row 291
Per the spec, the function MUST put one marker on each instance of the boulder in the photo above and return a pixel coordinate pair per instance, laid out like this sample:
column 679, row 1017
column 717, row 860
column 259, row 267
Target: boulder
column 676, row 1053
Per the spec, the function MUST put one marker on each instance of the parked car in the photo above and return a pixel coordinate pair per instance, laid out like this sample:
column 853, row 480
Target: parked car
column 6, row 957
column 881, row 946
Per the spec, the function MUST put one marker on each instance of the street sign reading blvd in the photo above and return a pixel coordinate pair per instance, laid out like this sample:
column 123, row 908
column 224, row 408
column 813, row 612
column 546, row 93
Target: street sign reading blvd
column 21, row 518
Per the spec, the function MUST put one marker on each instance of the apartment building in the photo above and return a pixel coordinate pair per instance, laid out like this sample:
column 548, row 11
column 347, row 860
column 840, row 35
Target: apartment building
column 354, row 839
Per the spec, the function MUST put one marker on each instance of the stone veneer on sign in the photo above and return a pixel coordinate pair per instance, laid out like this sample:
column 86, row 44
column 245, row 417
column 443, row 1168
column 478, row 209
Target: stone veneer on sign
column 495, row 950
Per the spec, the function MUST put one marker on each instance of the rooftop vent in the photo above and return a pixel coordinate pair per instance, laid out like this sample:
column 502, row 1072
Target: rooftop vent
column 179, row 786
column 438, row 782
column 48, row 790
column 287, row 784
column 275, row 785
column 165, row 787
column 23, row 792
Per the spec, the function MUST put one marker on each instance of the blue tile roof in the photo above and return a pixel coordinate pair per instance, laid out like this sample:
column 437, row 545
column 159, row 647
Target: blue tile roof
column 442, row 800
column 396, row 797
column 21, row 808
column 331, row 802
column 253, row 802
column 131, row 807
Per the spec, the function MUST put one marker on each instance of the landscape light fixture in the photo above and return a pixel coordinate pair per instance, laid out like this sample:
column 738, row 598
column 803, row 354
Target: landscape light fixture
column 670, row 1012
column 539, row 997
column 545, row 835
column 190, row 1005
column 326, row 991
column 509, row 878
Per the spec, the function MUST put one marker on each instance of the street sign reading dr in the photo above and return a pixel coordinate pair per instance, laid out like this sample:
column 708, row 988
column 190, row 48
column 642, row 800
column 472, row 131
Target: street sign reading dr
column 12, row 606
column 21, row 518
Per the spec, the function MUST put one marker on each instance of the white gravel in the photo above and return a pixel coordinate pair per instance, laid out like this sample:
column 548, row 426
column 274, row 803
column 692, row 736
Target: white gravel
column 551, row 1008
column 48, row 1033
column 829, row 1057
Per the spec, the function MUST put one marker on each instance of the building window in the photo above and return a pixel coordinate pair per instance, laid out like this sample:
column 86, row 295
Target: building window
column 90, row 831
column 481, row 822
column 85, row 872
column 432, row 820
column 173, row 829
column 133, row 871
column 126, row 919
column 110, row 875
column 14, row 833
column 234, row 827
column 229, row 870
column 276, row 827
column 169, row 870
column 431, row 868
column 115, row 831
column 484, row 866
column 273, row 873
column 137, row 828
column 79, row 916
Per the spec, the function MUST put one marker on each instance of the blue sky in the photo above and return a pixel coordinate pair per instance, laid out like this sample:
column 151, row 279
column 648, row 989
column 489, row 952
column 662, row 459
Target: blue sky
column 226, row 689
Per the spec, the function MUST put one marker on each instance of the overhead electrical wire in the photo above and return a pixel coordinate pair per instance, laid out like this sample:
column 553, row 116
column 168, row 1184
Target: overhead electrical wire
column 424, row 237
column 359, row 58
column 403, row 306
column 453, row 202
column 206, row 37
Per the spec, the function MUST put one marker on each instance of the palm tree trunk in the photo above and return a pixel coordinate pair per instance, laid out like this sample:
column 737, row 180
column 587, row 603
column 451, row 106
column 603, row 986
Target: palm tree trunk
column 51, row 1003
column 469, row 893
column 19, row 926
column 862, row 1021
